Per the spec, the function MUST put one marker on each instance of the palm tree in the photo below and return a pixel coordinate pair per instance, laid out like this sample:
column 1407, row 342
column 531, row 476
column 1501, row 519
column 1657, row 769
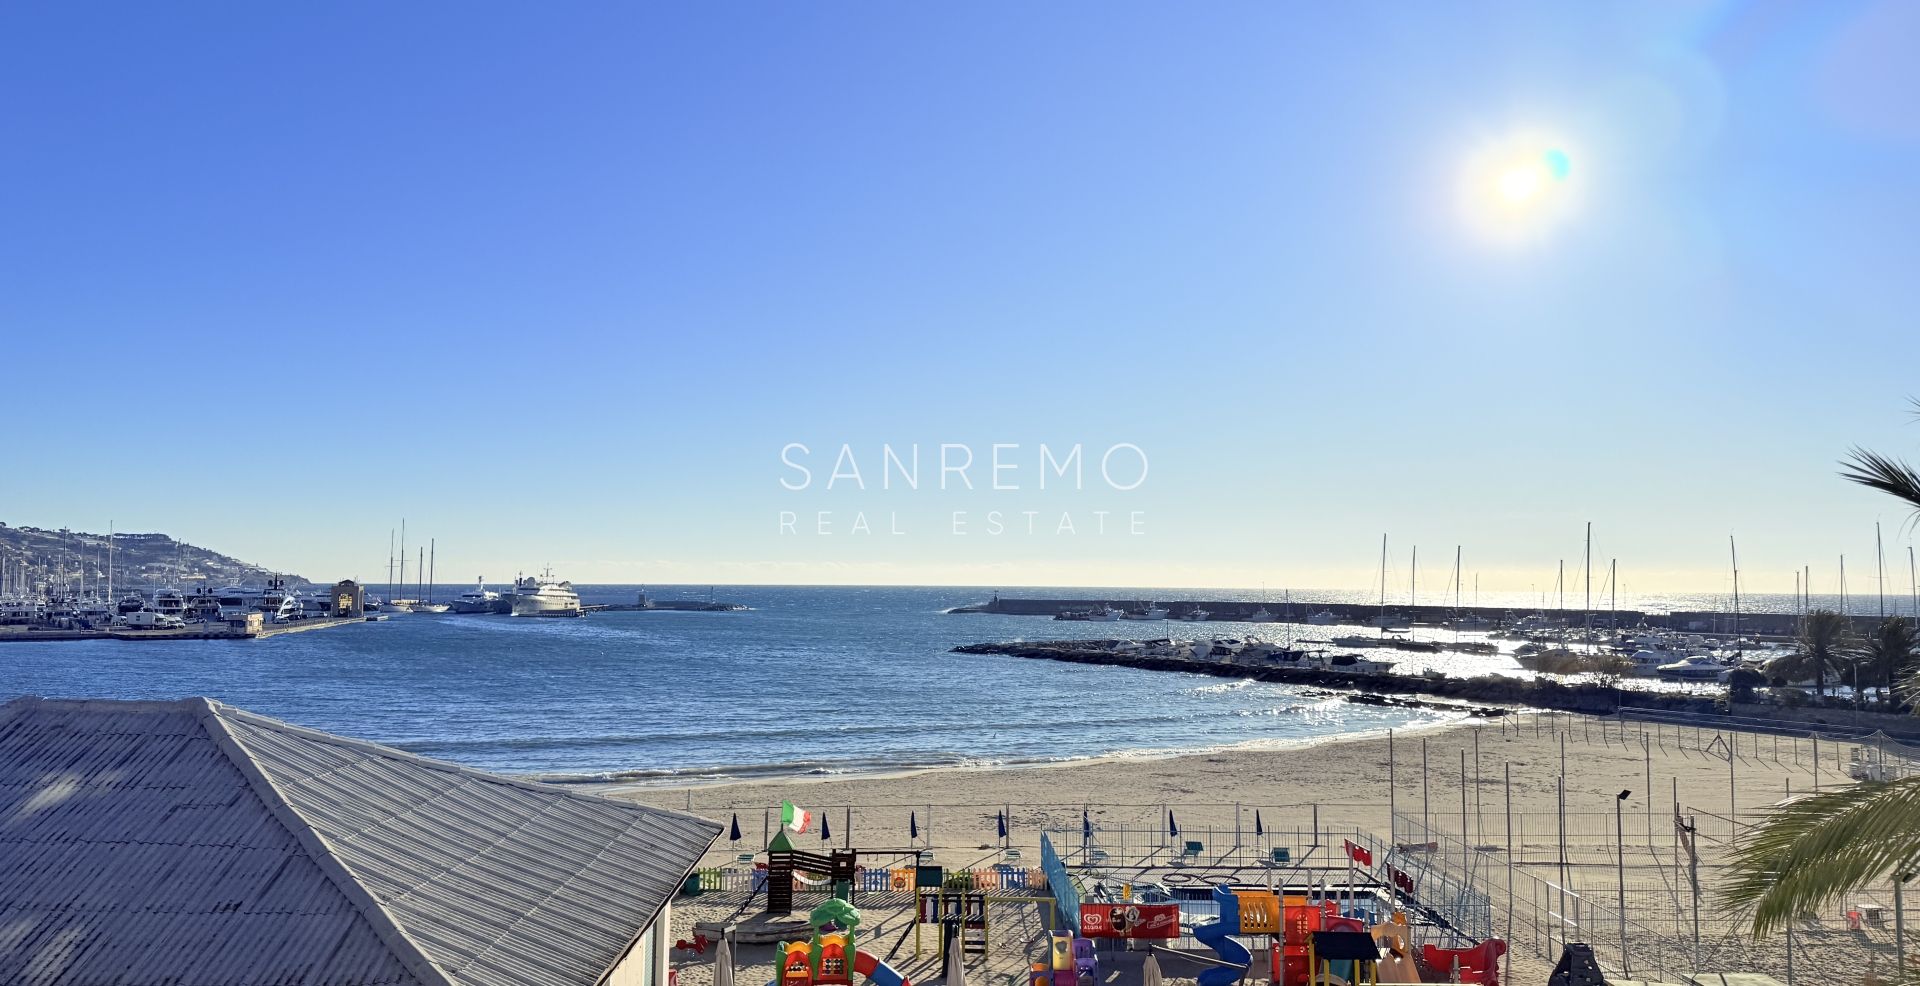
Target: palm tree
column 1813, row 851
column 1822, row 645
column 1890, row 651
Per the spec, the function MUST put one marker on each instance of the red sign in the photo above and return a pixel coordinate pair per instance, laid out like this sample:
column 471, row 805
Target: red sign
column 1130, row 920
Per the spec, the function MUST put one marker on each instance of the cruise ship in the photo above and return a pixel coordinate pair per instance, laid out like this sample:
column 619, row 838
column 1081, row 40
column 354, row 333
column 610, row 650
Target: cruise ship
column 544, row 597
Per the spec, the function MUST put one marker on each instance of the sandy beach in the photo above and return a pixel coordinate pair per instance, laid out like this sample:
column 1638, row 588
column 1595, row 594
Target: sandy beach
column 1512, row 768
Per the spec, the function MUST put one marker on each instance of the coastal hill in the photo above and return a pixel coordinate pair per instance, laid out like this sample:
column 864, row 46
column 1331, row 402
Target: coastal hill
column 31, row 555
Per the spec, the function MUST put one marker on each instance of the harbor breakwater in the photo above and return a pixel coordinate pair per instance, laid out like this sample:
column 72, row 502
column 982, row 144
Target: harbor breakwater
column 1363, row 614
column 1594, row 698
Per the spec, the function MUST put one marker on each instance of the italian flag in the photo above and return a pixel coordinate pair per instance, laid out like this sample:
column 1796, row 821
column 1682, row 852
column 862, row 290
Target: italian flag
column 794, row 817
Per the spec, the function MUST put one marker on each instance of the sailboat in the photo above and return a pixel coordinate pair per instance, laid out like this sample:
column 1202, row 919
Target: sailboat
column 1463, row 621
column 426, row 603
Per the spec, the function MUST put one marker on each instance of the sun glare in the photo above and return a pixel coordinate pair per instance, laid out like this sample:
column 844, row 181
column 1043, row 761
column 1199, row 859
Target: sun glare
column 1519, row 187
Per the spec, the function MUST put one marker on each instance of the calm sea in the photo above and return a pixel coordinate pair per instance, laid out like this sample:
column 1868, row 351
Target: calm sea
column 810, row 680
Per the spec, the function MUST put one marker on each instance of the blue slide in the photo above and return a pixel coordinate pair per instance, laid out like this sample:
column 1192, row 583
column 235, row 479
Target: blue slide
column 1216, row 935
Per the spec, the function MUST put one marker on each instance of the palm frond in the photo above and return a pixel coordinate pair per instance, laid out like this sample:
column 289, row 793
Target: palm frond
column 1870, row 468
column 1811, row 852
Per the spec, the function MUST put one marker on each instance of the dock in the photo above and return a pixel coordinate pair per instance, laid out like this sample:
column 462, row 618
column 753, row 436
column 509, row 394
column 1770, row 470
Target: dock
column 197, row 631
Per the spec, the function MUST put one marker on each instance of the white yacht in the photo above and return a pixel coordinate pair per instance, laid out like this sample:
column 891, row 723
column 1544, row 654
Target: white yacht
column 236, row 601
column 478, row 599
column 170, row 602
column 1148, row 612
column 1195, row 614
column 1105, row 614
column 278, row 602
column 1696, row 667
column 1324, row 618
column 1260, row 616
column 545, row 597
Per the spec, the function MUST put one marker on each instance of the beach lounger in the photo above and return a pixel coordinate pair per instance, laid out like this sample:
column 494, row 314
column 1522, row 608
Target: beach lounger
column 1192, row 850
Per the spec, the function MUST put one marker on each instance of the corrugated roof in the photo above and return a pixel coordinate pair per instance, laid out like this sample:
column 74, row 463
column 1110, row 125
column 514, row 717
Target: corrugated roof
column 193, row 843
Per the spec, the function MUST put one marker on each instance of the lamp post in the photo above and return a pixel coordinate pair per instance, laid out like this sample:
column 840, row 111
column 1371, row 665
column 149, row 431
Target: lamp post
column 1620, row 860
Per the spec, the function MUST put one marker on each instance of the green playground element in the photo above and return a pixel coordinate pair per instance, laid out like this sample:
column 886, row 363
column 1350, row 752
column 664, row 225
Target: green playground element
column 845, row 919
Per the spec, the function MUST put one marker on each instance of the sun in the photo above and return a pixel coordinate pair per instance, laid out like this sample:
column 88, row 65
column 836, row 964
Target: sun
column 1521, row 183
column 1518, row 187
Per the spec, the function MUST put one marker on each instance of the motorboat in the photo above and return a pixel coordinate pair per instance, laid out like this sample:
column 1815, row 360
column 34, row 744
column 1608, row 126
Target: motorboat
column 1694, row 667
column 1260, row 616
column 1324, row 618
column 478, row 599
column 1148, row 612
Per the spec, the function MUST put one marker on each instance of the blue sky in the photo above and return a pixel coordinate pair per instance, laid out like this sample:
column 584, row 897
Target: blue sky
column 559, row 285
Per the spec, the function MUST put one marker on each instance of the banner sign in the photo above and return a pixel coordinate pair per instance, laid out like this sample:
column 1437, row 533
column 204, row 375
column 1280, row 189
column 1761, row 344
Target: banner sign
column 1130, row 920
column 1359, row 854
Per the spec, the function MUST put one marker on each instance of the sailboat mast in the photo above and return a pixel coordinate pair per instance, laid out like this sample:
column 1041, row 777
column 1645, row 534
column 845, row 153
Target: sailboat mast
column 1913, row 574
column 389, row 564
column 110, row 600
column 1587, row 617
column 1734, row 553
column 1613, row 601
column 1413, row 580
column 1880, row 559
column 420, row 575
column 1456, row 577
column 403, row 551
column 433, row 559
column 1383, row 583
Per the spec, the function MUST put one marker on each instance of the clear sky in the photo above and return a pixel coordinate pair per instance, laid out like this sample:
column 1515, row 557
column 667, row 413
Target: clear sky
column 558, row 284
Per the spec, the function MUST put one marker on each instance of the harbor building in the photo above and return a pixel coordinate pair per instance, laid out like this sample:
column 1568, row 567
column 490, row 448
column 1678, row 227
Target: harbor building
column 193, row 842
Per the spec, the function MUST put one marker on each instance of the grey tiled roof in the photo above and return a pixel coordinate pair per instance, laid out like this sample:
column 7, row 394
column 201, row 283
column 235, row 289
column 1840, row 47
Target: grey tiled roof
column 195, row 844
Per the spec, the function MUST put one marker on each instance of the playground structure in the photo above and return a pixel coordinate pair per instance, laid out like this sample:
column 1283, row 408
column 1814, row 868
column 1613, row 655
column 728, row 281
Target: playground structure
column 822, row 961
column 1071, row 961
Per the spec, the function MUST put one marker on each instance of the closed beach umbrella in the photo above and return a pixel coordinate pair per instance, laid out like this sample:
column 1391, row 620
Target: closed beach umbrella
column 1001, row 818
column 1086, row 825
column 956, row 965
column 826, row 830
column 1258, row 829
column 1173, row 827
column 733, row 834
column 1149, row 972
column 913, row 824
column 723, row 963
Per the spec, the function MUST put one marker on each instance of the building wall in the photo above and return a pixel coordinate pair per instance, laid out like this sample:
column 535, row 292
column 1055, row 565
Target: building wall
column 646, row 963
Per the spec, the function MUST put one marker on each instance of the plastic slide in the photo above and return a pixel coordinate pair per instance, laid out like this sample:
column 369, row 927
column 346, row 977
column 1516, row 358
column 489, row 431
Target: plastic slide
column 881, row 973
column 1217, row 935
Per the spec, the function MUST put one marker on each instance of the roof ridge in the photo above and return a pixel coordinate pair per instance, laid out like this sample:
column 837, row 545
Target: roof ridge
column 221, row 709
column 389, row 930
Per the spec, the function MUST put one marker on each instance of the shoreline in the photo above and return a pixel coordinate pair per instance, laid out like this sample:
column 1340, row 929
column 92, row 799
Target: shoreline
column 618, row 788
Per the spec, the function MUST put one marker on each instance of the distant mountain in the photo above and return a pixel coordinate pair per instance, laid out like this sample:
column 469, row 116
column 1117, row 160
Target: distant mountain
column 30, row 556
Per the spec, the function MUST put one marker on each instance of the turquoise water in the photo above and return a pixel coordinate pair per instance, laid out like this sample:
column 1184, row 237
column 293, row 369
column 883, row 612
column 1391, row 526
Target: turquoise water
column 811, row 680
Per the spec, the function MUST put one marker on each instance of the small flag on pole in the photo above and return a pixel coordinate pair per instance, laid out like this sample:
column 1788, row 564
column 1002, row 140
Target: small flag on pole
column 794, row 817
column 826, row 828
column 1258, row 829
column 913, row 824
column 1001, row 818
column 733, row 834
column 1173, row 827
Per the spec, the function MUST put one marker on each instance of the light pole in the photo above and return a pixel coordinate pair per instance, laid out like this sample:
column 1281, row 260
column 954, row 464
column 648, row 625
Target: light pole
column 1620, row 859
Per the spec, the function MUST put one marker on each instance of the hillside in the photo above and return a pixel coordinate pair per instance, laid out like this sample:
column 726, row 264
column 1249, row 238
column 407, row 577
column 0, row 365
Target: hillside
column 30, row 556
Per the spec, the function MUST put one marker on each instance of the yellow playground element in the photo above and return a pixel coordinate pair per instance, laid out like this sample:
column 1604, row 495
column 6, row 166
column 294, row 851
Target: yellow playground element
column 1260, row 912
